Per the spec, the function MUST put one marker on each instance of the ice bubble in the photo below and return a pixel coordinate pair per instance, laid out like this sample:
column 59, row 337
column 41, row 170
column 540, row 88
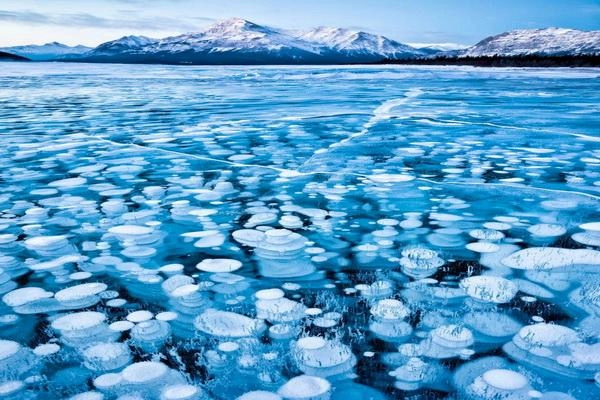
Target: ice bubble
column 390, row 178
column 166, row 316
column 88, row 396
column 80, row 296
column 150, row 335
column 108, row 382
column 68, row 183
column 590, row 236
column 121, row 326
column 181, row 392
column 376, row 290
column 145, row 373
column 483, row 247
column 545, row 258
column 272, row 306
column 130, row 232
column 210, row 239
column 219, row 265
column 545, row 335
column 56, row 264
column 492, row 289
column 116, row 303
column 139, row 316
column 320, row 357
column 171, row 269
column 227, row 324
column 500, row 384
column 259, row 395
column 46, row 349
column 547, row 230
column 555, row 348
column 22, row 296
column 388, row 320
column 389, row 309
column 49, row 245
column 489, row 235
column 448, row 341
column 305, row 387
column 412, row 374
column 15, row 359
column 291, row 222
column 106, row 356
column 83, row 328
column 10, row 390
column 420, row 262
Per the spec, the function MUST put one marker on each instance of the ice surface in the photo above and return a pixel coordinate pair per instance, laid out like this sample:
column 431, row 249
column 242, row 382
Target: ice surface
column 199, row 232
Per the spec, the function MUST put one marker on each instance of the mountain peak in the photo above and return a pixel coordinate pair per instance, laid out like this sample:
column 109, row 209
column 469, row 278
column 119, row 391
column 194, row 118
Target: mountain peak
column 544, row 41
column 233, row 25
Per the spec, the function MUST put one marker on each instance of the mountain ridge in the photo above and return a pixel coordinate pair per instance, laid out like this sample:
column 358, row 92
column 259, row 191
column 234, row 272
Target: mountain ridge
column 239, row 41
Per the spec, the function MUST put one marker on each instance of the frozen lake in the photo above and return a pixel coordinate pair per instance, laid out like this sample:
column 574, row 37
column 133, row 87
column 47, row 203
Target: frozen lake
column 361, row 232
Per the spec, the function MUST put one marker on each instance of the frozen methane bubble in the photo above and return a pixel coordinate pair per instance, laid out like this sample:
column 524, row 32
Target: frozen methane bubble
column 448, row 341
column 80, row 296
column 387, row 321
column 83, row 328
column 487, row 288
column 280, row 252
column 272, row 306
column 590, row 235
column 320, row 357
column 15, row 359
column 539, row 231
column 413, row 374
column 150, row 377
column 106, row 356
column 420, row 262
column 259, row 395
column 150, row 335
column 305, row 387
column 181, row 392
column 48, row 246
column 500, row 384
column 547, row 258
column 555, row 348
column 22, row 296
column 391, row 178
column 225, row 324
column 139, row 316
column 216, row 265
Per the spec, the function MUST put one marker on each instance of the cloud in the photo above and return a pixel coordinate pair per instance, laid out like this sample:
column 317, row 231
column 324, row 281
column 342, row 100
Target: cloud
column 93, row 21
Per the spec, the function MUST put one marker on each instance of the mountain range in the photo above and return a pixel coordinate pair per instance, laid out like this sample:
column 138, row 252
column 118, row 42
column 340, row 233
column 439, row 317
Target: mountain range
column 238, row 41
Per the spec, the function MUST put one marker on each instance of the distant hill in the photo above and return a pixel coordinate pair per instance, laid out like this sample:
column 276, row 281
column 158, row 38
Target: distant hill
column 4, row 56
column 48, row 51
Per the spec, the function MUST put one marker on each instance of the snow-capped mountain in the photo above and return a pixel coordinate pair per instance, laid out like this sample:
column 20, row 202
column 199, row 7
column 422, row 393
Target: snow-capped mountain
column 355, row 43
column 234, row 34
column 545, row 42
column 48, row 51
column 125, row 44
column 237, row 41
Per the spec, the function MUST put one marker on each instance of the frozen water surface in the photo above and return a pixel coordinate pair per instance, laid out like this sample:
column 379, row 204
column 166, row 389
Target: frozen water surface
column 382, row 232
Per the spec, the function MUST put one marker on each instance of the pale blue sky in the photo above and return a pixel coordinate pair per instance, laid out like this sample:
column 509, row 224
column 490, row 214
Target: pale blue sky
column 418, row 21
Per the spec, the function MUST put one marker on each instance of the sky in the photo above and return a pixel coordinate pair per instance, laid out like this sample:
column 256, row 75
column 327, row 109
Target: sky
column 462, row 22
